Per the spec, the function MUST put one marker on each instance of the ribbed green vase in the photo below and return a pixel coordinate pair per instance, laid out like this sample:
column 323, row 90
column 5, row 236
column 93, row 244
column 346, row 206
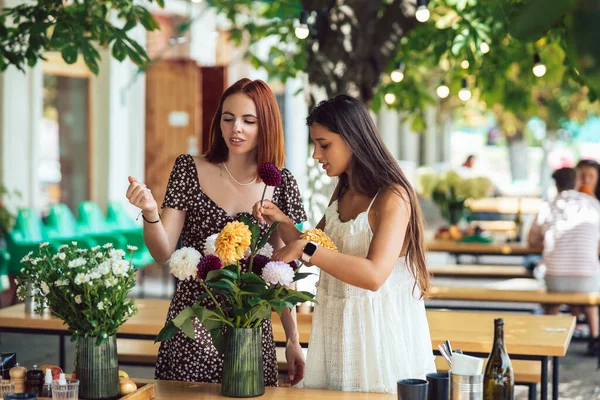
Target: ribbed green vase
column 97, row 369
column 243, row 373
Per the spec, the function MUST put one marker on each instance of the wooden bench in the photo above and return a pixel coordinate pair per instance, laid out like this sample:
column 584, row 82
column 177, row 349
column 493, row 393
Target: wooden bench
column 512, row 296
column 480, row 271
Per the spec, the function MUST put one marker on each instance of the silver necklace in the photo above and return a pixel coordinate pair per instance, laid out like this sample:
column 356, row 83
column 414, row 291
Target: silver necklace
column 235, row 180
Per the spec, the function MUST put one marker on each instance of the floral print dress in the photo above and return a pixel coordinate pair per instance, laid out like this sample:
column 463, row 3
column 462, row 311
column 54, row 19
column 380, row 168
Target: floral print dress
column 181, row 358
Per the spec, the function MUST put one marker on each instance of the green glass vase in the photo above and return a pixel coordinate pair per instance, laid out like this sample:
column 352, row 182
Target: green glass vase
column 243, row 372
column 97, row 368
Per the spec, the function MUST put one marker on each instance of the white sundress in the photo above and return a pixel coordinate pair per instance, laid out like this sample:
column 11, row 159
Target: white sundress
column 365, row 341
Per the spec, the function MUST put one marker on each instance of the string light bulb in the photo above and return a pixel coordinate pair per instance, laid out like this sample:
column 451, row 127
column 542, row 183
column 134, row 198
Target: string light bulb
column 464, row 64
column 464, row 94
column 196, row 1
column 484, row 47
column 302, row 30
column 539, row 69
column 443, row 90
column 422, row 14
column 389, row 98
column 397, row 75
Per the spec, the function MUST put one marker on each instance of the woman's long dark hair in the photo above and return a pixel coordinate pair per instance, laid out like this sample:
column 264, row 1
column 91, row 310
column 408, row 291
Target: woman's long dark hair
column 373, row 168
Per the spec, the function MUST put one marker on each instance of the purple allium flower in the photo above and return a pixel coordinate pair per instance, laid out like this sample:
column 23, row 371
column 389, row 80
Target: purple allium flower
column 209, row 262
column 269, row 174
column 258, row 264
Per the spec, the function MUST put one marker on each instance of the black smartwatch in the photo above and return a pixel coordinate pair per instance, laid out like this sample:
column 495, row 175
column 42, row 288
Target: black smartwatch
column 309, row 251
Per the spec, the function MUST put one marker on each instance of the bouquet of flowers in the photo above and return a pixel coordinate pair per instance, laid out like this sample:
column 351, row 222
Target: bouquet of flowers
column 86, row 288
column 240, row 281
column 450, row 191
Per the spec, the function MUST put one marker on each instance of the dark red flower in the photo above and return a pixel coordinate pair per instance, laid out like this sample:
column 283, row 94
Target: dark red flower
column 259, row 263
column 269, row 174
column 208, row 263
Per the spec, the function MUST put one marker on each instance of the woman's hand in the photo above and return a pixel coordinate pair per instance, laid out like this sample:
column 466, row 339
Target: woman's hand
column 295, row 360
column 291, row 252
column 140, row 196
column 268, row 213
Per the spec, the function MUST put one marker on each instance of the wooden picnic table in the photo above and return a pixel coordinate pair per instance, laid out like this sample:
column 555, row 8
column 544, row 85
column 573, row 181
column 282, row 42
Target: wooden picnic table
column 532, row 337
column 174, row 390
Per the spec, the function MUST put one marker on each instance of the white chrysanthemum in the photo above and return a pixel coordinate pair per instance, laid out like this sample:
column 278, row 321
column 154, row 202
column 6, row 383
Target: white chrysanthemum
column 95, row 248
column 184, row 262
column 111, row 281
column 131, row 248
column 62, row 247
column 44, row 244
column 61, row 282
column 116, row 254
column 108, row 246
column 78, row 299
column 266, row 251
column 81, row 278
column 74, row 243
column 61, row 256
column 99, row 255
column 120, row 267
column 278, row 273
column 81, row 251
column 27, row 257
column 34, row 261
column 94, row 274
column 209, row 244
column 45, row 288
column 78, row 262
column 101, row 306
column 104, row 268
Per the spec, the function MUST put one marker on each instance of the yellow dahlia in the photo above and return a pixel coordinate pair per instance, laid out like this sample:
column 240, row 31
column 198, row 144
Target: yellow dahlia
column 232, row 242
column 320, row 238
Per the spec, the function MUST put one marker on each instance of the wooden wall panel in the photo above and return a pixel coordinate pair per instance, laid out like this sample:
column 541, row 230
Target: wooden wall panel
column 172, row 92
column 214, row 83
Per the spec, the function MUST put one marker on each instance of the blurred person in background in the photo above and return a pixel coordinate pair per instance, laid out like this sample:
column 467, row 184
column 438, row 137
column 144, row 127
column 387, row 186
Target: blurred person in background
column 587, row 177
column 568, row 229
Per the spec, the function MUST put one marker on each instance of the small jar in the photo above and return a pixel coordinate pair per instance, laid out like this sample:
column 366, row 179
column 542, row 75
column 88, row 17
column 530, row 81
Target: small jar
column 35, row 380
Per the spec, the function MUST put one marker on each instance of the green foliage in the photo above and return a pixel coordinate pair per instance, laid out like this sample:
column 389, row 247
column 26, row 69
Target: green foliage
column 86, row 288
column 75, row 29
column 7, row 218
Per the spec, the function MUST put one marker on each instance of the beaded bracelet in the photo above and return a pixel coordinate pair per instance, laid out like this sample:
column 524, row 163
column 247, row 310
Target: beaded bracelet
column 150, row 222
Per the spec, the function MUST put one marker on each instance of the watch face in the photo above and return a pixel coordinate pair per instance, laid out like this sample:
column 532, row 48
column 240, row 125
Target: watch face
column 309, row 249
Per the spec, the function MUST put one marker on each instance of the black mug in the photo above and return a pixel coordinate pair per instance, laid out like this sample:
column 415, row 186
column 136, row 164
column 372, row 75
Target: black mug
column 438, row 386
column 412, row 389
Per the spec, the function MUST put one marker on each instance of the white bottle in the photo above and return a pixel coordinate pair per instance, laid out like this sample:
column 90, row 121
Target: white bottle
column 47, row 388
column 62, row 380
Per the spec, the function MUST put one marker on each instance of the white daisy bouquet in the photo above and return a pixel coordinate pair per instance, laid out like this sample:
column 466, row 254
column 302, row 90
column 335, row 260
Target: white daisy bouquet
column 242, row 285
column 86, row 288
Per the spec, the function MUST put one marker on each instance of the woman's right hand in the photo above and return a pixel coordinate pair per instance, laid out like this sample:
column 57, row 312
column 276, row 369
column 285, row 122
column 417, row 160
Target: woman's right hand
column 140, row 196
column 268, row 213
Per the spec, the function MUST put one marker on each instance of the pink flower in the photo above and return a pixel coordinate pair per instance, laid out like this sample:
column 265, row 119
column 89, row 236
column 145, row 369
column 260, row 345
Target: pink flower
column 269, row 174
column 208, row 263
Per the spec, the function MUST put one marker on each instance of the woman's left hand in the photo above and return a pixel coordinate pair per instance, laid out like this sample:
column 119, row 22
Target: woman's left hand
column 291, row 252
column 295, row 360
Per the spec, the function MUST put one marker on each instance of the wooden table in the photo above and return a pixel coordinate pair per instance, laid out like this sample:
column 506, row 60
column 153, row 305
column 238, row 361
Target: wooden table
column 530, row 337
column 481, row 249
column 174, row 390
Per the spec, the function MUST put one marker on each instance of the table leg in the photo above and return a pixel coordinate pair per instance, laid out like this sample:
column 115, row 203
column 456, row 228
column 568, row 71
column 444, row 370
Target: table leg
column 61, row 351
column 554, row 378
column 544, row 378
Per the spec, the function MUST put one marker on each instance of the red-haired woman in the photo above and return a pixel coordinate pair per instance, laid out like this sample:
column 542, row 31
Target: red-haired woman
column 204, row 194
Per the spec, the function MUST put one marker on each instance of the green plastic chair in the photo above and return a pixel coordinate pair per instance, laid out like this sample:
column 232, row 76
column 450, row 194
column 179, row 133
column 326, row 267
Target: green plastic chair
column 62, row 226
column 91, row 222
column 26, row 235
column 119, row 220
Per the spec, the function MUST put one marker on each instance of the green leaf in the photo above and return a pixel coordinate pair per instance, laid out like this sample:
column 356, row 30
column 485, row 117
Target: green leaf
column 218, row 339
column 167, row 332
column 302, row 275
column 212, row 324
column 224, row 284
column 218, row 274
column 188, row 329
column 69, row 54
column 119, row 50
column 267, row 235
column 183, row 316
column 536, row 17
column 250, row 277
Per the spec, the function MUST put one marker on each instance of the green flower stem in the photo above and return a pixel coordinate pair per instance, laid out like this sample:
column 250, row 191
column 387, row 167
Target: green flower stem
column 263, row 195
column 212, row 297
